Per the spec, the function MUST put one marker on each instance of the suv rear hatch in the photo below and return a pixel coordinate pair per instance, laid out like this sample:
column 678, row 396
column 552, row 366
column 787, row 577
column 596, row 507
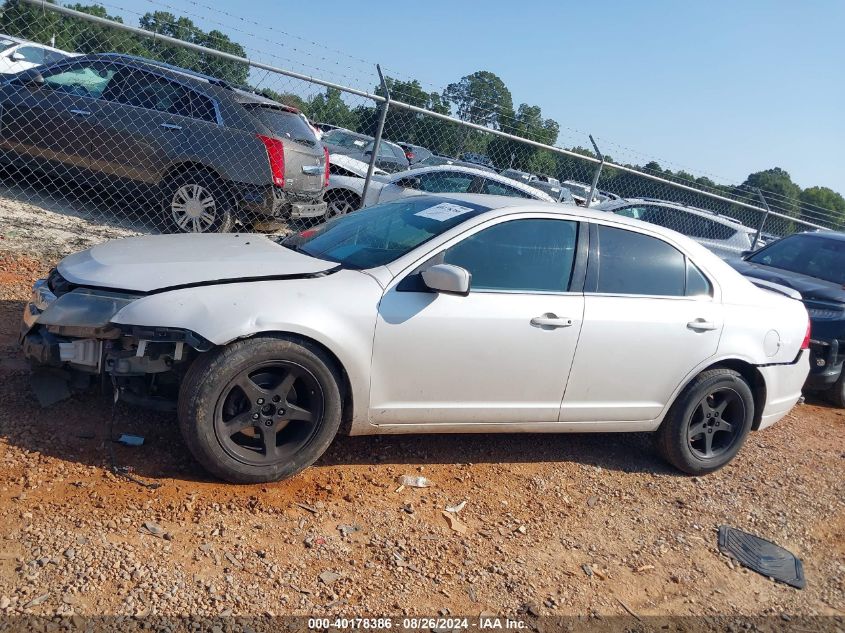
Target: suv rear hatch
column 305, row 159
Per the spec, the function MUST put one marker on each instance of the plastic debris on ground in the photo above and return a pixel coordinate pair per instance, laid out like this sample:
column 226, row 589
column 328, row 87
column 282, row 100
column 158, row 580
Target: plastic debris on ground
column 130, row 440
column 414, row 482
column 762, row 556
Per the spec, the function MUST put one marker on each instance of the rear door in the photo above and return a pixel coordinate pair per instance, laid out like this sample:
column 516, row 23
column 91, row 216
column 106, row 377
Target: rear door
column 145, row 122
column 53, row 123
column 650, row 317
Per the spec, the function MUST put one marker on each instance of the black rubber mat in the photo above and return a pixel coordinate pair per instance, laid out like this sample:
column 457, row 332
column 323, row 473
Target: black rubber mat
column 762, row 556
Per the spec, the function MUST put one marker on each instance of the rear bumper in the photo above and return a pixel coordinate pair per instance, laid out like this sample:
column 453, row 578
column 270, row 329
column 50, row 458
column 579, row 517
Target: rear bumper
column 825, row 364
column 783, row 387
column 269, row 201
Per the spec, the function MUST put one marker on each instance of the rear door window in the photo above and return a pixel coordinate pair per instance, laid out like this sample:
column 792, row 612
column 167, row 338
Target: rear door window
column 151, row 92
column 630, row 263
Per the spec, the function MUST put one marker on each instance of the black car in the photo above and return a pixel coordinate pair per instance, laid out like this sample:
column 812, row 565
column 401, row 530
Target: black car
column 814, row 265
column 202, row 151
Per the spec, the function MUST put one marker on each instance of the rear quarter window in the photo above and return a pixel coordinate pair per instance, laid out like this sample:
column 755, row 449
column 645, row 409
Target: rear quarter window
column 284, row 123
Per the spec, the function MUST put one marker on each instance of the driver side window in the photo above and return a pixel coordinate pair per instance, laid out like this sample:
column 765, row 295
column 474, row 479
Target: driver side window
column 531, row 255
column 83, row 79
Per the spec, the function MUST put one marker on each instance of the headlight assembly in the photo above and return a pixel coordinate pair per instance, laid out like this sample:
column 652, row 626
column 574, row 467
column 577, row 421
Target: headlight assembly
column 84, row 312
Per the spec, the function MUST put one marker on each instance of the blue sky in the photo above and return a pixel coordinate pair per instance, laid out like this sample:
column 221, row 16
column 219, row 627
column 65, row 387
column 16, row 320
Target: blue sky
column 721, row 88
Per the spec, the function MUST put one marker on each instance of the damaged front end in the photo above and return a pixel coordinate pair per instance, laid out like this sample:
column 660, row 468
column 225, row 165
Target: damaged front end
column 68, row 335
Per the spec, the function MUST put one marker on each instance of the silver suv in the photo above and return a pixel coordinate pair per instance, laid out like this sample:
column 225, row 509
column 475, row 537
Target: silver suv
column 723, row 235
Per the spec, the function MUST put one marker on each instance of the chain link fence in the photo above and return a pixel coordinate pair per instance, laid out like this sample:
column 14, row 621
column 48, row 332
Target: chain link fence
column 110, row 129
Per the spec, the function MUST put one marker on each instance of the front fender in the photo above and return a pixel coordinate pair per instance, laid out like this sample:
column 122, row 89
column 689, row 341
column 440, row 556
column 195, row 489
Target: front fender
column 338, row 311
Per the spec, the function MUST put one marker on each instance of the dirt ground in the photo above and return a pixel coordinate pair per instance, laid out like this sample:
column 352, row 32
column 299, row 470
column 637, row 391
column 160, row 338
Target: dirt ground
column 588, row 525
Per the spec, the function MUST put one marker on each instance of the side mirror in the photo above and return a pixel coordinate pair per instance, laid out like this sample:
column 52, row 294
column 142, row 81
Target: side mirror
column 447, row 278
column 18, row 56
column 745, row 254
column 409, row 182
column 368, row 152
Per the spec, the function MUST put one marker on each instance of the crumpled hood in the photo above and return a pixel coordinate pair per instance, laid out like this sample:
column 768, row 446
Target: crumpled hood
column 809, row 287
column 155, row 262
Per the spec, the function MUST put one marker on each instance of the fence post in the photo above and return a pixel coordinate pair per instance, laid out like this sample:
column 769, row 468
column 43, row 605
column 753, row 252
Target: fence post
column 762, row 220
column 589, row 200
column 377, row 141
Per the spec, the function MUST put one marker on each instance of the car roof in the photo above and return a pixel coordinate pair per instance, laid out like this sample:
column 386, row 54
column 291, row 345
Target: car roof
column 491, row 175
column 611, row 205
column 830, row 235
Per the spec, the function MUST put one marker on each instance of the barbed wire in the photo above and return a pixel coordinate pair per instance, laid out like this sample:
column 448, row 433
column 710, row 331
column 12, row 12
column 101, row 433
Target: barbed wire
column 809, row 210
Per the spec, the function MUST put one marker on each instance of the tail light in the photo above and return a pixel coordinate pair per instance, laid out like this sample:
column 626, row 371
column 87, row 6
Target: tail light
column 326, row 154
column 409, row 155
column 806, row 343
column 276, row 156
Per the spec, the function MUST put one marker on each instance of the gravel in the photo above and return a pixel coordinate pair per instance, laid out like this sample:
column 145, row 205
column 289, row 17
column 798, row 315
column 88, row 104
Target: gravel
column 558, row 525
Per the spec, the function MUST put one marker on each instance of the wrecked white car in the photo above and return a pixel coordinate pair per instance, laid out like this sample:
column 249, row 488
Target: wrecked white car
column 467, row 314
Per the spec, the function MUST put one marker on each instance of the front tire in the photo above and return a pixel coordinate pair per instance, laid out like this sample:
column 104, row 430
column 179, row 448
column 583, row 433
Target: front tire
column 708, row 423
column 341, row 202
column 260, row 409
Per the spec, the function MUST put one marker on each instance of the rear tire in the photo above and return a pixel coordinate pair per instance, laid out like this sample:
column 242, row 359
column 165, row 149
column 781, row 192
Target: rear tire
column 708, row 423
column 260, row 409
column 197, row 202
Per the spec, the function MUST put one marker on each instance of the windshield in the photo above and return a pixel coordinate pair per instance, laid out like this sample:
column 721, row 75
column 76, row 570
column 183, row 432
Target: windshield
column 345, row 139
column 285, row 124
column 810, row 255
column 381, row 234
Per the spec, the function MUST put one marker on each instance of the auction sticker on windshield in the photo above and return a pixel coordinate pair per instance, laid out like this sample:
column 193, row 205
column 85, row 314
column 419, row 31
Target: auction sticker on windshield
column 443, row 211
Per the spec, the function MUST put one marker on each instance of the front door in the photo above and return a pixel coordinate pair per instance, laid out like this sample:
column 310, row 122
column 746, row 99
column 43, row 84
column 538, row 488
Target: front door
column 503, row 353
column 53, row 123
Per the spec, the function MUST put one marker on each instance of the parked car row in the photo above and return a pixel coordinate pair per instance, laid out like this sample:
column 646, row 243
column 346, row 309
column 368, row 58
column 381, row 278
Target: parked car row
column 211, row 156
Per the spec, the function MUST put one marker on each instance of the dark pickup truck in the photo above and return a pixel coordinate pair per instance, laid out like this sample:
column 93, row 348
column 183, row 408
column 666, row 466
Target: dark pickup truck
column 814, row 265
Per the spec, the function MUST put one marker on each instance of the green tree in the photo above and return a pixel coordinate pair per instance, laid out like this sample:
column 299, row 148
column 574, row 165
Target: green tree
column 331, row 108
column 184, row 29
column 832, row 205
column 776, row 181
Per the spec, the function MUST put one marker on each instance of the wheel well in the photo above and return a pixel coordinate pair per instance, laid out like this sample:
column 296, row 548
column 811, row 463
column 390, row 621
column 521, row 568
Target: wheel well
column 754, row 379
column 174, row 171
column 345, row 386
column 342, row 193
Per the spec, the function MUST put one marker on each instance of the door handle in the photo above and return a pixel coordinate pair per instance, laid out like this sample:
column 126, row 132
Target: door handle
column 702, row 325
column 170, row 126
column 550, row 320
column 80, row 112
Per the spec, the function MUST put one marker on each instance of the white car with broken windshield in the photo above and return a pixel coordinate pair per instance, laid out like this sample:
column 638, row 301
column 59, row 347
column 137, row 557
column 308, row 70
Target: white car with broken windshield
column 427, row 315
